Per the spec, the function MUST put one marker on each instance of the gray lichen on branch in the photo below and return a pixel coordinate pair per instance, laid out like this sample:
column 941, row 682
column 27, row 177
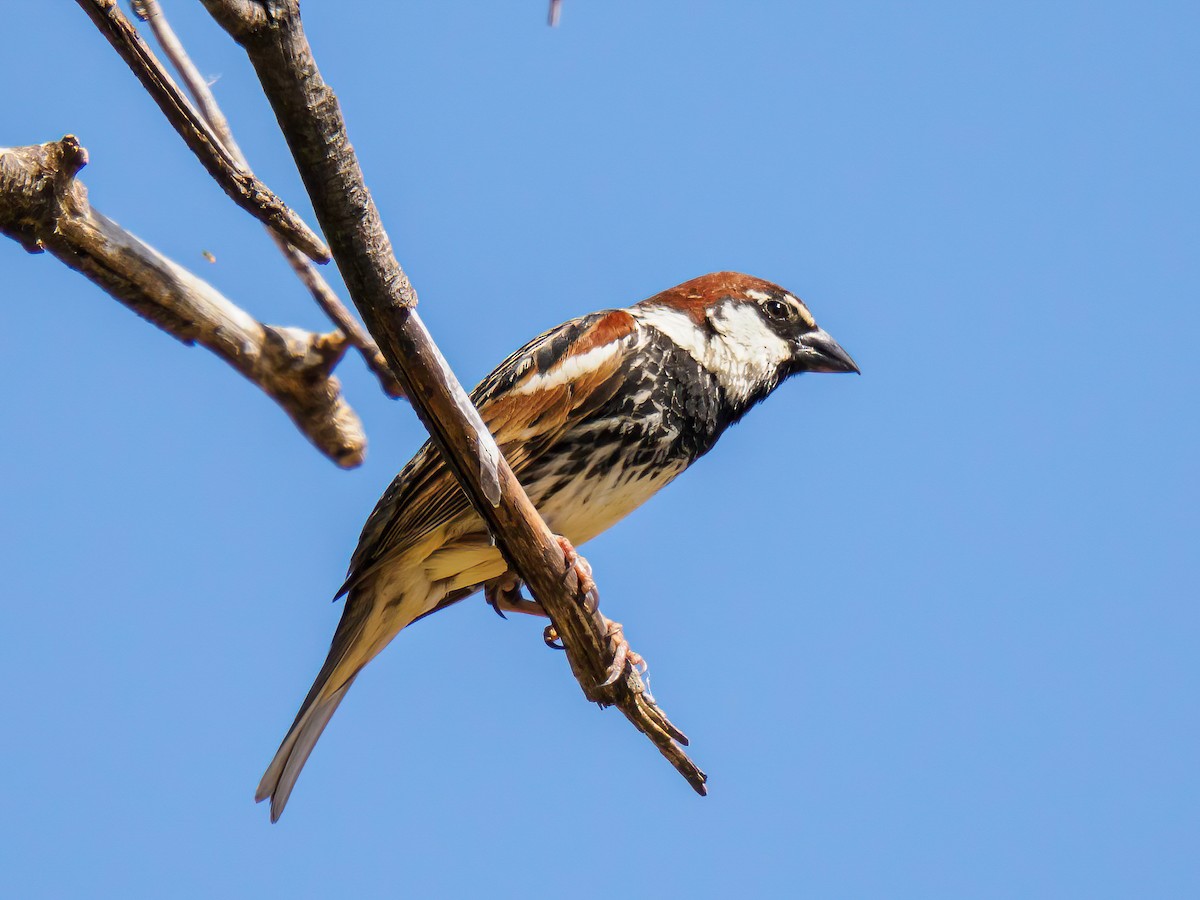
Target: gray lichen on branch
column 45, row 208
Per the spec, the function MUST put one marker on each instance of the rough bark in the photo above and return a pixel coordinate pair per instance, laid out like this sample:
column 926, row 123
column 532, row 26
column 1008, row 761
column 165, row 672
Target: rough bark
column 45, row 208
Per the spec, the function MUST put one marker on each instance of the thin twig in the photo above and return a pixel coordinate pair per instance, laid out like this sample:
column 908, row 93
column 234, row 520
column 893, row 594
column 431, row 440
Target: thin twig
column 150, row 11
column 238, row 182
column 44, row 208
column 309, row 114
column 333, row 307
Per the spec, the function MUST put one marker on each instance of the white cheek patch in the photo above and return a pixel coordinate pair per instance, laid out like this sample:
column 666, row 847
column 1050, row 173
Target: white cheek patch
column 748, row 341
column 569, row 369
column 742, row 354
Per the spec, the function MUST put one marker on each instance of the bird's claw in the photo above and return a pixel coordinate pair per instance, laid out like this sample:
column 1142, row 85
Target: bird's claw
column 503, row 593
column 583, row 573
column 622, row 654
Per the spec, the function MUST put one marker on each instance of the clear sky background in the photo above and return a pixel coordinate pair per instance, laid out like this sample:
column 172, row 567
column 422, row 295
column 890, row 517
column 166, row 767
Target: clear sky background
column 933, row 631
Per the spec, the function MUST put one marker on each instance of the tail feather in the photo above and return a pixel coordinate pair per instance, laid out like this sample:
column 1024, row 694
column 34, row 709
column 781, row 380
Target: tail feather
column 281, row 774
column 359, row 636
column 341, row 667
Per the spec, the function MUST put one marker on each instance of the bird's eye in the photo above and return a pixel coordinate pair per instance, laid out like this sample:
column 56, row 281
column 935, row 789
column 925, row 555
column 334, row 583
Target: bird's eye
column 778, row 310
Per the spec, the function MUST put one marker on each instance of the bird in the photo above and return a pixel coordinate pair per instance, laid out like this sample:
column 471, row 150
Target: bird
column 595, row 416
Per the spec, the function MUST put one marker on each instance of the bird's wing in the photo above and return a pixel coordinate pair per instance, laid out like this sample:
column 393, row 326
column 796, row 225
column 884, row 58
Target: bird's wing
column 528, row 402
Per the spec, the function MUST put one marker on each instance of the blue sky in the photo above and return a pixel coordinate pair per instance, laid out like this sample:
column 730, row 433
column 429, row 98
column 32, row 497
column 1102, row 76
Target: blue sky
column 932, row 630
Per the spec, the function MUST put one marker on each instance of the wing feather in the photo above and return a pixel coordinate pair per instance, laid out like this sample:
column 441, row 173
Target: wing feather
column 528, row 402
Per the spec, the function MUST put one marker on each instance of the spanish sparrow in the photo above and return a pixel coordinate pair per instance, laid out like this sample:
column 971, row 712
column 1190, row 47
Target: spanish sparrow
column 595, row 417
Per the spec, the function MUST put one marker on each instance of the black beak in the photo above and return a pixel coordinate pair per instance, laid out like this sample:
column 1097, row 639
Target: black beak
column 821, row 353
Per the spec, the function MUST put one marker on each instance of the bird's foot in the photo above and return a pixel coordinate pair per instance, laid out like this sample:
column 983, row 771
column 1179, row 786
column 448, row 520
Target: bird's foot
column 503, row 594
column 583, row 573
column 553, row 641
column 622, row 652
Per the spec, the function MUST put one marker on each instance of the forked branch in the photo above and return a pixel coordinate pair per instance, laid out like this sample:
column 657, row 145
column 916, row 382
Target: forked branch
column 236, row 180
column 151, row 12
column 44, row 208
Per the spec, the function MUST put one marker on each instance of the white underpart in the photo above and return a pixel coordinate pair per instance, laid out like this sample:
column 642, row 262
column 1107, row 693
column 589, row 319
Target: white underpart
column 587, row 506
column 569, row 369
column 580, row 510
column 743, row 354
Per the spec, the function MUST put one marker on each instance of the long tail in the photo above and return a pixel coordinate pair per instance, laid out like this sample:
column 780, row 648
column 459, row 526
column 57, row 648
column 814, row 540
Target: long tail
column 359, row 636
column 347, row 656
column 280, row 777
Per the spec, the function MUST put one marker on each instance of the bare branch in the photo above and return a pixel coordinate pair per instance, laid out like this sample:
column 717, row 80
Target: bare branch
column 151, row 12
column 333, row 307
column 238, row 17
column 44, row 208
column 238, row 182
column 312, row 123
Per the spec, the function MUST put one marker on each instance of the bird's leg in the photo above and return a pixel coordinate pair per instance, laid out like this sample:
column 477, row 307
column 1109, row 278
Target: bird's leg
column 583, row 572
column 622, row 652
column 503, row 594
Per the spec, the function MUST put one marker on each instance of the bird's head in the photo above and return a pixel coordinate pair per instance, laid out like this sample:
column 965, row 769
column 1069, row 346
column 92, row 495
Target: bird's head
column 751, row 334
